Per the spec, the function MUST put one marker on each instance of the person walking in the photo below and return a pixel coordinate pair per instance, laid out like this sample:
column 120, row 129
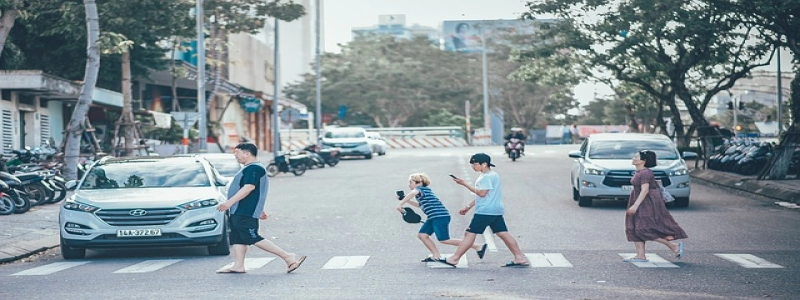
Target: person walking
column 647, row 217
column 489, row 210
column 246, row 197
column 438, row 218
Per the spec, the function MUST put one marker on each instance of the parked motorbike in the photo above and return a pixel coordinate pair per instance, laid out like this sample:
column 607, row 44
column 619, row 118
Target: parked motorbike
column 20, row 198
column 285, row 163
column 315, row 160
column 7, row 205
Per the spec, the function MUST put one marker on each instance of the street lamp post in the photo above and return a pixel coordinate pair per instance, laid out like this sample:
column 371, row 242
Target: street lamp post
column 484, row 72
column 275, row 96
column 201, row 75
column 318, row 114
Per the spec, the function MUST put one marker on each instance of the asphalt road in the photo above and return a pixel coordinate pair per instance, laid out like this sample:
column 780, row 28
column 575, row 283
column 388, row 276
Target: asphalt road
column 343, row 219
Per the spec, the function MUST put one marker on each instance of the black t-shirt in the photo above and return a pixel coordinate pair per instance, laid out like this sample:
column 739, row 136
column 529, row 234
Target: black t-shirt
column 254, row 174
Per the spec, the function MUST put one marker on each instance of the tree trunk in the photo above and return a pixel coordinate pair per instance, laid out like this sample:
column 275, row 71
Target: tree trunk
column 76, row 123
column 778, row 165
column 174, row 84
column 7, row 19
column 125, row 123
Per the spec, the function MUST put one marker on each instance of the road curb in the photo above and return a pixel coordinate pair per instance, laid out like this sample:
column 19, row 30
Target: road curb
column 766, row 188
column 27, row 248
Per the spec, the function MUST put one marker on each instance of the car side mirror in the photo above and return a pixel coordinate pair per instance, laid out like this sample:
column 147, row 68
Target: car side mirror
column 689, row 155
column 575, row 154
column 71, row 185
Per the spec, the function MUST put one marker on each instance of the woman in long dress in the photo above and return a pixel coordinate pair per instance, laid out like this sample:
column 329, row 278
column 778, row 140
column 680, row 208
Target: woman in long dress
column 647, row 217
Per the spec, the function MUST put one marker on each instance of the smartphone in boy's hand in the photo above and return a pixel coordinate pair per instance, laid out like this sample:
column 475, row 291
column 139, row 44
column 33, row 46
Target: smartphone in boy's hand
column 454, row 176
column 400, row 195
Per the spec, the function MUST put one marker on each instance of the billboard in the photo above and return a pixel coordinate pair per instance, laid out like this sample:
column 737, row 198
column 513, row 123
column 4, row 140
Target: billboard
column 465, row 35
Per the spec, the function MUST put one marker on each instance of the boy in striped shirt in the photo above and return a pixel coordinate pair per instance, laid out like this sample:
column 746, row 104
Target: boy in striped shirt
column 438, row 218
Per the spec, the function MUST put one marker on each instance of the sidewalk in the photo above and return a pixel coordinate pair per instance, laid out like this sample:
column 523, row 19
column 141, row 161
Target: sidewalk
column 779, row 190
column 37, row 230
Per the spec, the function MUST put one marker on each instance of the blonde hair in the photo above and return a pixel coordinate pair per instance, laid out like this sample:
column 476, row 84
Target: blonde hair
column 420, row 178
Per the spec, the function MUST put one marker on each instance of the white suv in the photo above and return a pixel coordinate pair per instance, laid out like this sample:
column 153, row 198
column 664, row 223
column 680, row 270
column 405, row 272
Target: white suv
column 602, row 168
column 145, row 202
column 352, row 141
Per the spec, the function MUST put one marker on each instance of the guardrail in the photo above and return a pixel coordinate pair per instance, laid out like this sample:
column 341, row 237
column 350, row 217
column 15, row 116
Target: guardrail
column 387, row 132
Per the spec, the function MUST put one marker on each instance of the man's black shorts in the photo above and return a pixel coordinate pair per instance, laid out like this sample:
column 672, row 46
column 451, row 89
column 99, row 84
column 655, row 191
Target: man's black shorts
column 244, row 230
column 479, row 223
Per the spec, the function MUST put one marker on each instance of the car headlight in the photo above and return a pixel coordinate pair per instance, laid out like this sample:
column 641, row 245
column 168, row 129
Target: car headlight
column 679, row 172
column 77, row 206
column 199, row 204
column 591, row 171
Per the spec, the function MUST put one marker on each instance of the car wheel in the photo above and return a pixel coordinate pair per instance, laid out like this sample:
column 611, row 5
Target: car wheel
column 368, row 156
column 584, row 201
column 681, row 202
column 382, row 153
column 68, row 252
column 575, row 194
column 221, row 248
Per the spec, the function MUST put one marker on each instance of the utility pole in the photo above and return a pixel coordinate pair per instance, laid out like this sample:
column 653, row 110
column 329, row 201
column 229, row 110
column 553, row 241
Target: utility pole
column 275, row 96
column 484, row 72
column 201, row 75
column 780, row 95
column 318, row 114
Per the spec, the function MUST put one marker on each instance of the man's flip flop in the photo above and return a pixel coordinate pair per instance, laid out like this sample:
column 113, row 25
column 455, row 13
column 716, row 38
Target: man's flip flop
column 512, row 264
column 634, row 259
column 482, row 252
column 229, row 271
column 295, row 264
column 429, row 259
column 444, row 261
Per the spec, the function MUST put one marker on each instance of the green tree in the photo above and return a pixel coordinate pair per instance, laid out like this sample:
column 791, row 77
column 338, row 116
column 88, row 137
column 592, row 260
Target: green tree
column 777, row 23
column 672, row 49
column 393, row 82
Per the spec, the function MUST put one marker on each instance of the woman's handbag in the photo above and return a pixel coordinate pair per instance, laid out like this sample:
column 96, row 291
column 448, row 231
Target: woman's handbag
column 664, row 193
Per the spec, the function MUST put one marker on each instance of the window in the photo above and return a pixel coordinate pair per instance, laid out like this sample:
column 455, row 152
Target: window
column 26, row 99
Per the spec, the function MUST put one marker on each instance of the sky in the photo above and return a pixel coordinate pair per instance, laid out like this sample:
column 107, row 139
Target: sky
column 340, row 16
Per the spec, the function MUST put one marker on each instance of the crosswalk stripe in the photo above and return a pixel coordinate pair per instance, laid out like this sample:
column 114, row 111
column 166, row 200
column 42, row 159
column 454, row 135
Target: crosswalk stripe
column 252, row 263
column 655, row 261
column 544, row 260
column 748, row 260
column 148, row 266
column 463, row 263
column 51, row 268
column 346, row 262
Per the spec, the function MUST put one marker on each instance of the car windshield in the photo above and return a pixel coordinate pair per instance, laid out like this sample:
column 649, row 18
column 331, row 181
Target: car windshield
column 626, row 149
column 226, row 167
column 146, row 174
column 344, row 134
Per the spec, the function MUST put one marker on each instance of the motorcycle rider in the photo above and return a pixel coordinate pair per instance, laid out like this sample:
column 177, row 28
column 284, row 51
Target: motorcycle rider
column 516, row 133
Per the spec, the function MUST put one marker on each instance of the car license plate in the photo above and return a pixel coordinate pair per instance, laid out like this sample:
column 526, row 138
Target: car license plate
column 138, row 232
column 627, row 187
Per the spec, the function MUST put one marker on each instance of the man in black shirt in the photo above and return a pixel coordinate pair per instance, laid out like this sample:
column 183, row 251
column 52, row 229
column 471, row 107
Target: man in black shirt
column 246, row 197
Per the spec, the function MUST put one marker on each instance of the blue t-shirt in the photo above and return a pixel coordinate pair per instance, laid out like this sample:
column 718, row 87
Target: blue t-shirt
column 430, row 204
column 253, row 204
column 492, row 203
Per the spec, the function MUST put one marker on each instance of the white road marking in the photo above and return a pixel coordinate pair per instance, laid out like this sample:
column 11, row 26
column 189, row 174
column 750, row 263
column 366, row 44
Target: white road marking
column 488, row 238
column 545, row 260
column 655, row 261
column 148, row 266
column 51, row 268
column 748, row 261
column 462, row 263
column 346, row 262
column 252, row 263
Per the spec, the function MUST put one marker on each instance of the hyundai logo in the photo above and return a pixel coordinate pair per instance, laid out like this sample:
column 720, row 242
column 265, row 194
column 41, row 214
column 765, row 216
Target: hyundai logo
column 137, row 212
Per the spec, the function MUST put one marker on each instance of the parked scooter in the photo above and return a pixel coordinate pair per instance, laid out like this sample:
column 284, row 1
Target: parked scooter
column 7, row 205
column 286, row 163
column 315, row 160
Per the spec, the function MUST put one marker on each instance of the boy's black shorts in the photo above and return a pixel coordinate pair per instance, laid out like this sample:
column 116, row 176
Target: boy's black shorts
column 479, row 223
column 244, row 230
